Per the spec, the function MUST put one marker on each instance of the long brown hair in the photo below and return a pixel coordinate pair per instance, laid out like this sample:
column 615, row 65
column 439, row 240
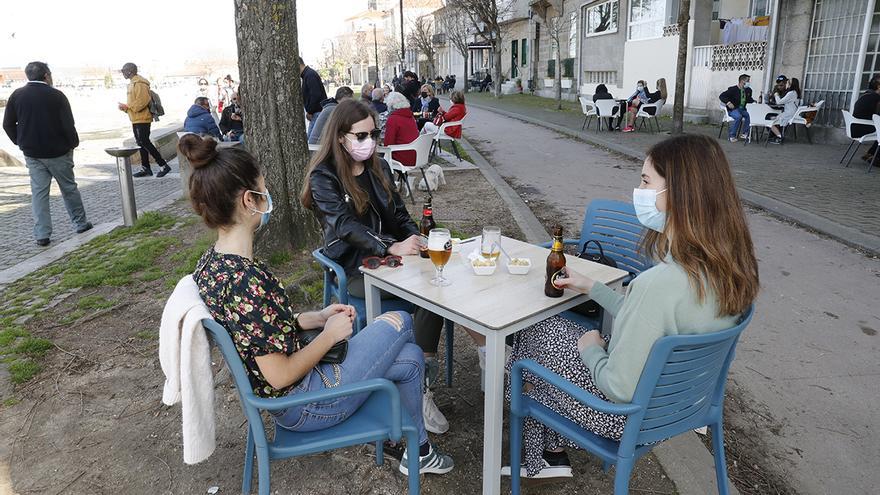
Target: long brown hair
column 347, row 113
column 706, row 230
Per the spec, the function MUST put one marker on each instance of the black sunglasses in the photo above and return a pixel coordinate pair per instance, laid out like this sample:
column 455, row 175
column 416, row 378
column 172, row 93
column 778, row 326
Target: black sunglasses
column 375, row 133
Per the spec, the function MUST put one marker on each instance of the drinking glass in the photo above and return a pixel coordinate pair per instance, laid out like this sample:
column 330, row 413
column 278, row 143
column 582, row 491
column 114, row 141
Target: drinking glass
column 490, row 241
column 439, row 250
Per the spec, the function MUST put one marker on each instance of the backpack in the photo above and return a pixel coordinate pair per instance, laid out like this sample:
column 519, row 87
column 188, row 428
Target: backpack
column 155, row 106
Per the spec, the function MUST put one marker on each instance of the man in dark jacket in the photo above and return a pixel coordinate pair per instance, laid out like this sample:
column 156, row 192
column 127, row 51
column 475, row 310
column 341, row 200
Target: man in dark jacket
column 411, row 88
column 231, row 123
column 199, row 119
column 38, row 120
column 735, row 99
column 313, row 93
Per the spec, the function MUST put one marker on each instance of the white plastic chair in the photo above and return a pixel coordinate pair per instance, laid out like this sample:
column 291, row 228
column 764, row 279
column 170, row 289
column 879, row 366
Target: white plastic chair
column 725, row 118
column 848, row 121
column 647, row 117
column 758, row 120
column 799, row 118
column 442, row 136
column 589, row 109
column 605, row 110
column 422, row 146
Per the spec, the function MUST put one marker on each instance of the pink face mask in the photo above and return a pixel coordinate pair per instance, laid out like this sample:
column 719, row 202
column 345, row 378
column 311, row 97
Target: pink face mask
column 361, row 150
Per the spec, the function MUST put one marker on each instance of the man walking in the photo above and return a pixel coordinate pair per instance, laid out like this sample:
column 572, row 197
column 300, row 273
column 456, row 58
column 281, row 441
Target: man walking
column 735, row 99
column 38, row 120
column 138, row 109
column 313, row 93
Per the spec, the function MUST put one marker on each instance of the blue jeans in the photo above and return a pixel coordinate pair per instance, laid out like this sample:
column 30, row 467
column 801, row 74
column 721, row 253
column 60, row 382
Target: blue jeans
column 312, row 124
column 739, row 115
column 383, row 349
column 42, row 170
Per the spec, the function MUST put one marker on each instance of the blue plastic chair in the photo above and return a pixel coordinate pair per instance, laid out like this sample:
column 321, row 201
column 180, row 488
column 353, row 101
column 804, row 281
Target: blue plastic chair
column 615, row 225
column 681, row 388
column 334, row 278
column 380, row 418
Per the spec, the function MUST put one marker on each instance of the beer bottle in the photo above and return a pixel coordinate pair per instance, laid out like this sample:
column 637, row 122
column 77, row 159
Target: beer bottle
column 555, row 263
column 425, row 227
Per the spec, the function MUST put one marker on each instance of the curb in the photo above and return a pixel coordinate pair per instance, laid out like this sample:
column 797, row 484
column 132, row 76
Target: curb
column 40, row 260
column 686, row 461
column 846, row 235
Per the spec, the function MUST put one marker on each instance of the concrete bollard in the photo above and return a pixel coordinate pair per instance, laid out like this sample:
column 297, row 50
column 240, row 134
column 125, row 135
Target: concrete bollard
column 126, row 183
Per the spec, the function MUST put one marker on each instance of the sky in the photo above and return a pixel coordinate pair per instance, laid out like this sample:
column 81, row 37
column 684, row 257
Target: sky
column 105, row 33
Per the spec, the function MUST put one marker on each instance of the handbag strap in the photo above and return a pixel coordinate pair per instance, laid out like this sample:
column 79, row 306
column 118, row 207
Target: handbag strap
column 598, row 245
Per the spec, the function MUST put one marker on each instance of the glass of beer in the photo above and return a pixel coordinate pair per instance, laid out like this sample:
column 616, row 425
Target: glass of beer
column 439, row 250
column 490, row 241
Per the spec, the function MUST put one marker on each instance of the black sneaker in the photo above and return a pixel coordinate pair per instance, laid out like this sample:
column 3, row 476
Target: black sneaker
column 144, row 172
column 555, row 466
column 433, row 463
column 85, row 228
column 163, row 171
column 775, row 141
column 392, row 449
column 43, row 242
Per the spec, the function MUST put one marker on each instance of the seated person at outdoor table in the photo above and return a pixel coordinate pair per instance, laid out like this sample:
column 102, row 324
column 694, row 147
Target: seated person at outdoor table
column 487, row 81
column 231, row 124
column 735, row 99
column 429, row 105
column 400, row 128
column 788, row 94
column 228, row 190
column 455, row 113
column 199, row 120
column 635, row 100
column 603, row 94
column 348, row 187
column 327, row 107
column 706, row 276
column 865, row 108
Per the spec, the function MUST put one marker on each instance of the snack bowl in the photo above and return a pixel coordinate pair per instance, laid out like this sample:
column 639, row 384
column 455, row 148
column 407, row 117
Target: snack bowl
column 519, row 266
column 483, row 266
column 456, row 244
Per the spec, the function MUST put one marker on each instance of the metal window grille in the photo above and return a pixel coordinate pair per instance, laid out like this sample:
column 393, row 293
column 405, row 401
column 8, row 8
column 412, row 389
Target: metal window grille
column 833, row 54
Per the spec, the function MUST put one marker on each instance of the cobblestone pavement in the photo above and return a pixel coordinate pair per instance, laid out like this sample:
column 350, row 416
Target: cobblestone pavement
column 803, row 176
column 99, row 187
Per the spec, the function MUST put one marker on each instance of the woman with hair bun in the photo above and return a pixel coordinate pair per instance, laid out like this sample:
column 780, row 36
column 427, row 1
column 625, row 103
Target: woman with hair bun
column 228, row 191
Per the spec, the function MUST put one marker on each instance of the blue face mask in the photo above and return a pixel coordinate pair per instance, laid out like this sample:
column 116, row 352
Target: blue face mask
column 645, row 203
column 264, row 219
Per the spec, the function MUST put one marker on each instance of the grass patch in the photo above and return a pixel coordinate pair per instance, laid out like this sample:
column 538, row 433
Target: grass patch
column 11, row 401
column 94, row 302
column 33, row 347
column 279, row 258
column 9, row 335
column 22, row 370
column 524, row 100
column 147, row 335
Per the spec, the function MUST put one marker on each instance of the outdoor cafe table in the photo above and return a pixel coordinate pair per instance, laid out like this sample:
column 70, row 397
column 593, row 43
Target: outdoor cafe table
column 495, row 306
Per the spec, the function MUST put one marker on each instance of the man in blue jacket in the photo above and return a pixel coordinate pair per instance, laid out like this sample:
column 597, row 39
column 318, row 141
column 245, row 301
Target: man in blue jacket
column 735, row 99
column 38, row 120
column 199, row 119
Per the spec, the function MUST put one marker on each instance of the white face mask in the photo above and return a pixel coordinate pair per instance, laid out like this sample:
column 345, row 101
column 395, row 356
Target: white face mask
column 747, row 85
column 645, row 204
column 640, row 87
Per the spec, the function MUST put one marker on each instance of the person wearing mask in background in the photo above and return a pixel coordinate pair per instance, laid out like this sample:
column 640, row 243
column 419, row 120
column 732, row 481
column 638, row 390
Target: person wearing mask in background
column 137, row 106
column 327, row 107
column 635, row 100
column 400, row 128
column 231, row 123
column 865, row 108
column 313, row 93
column 199, row 121
column 228, row 190
column 788, row 94
column 367, row 93
column 428, row 105
column 39, row 121
column 379, row 106
column 455, row 113
column 735, row 99
column 410, row 88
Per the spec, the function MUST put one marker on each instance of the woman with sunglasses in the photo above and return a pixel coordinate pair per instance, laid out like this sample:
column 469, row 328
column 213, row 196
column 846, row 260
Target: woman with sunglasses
column 349, row 188
column 228, row 191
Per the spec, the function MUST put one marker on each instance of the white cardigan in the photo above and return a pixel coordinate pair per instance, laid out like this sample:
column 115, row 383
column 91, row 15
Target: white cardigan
column 790, row 102
column 185, row 356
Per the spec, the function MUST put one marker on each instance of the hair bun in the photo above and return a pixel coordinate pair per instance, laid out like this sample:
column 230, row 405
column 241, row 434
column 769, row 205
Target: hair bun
column 198, row 151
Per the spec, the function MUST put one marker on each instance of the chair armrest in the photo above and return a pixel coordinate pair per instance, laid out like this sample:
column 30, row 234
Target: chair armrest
column 371, row 385
column 398, row 147
column 862, row 121
column 331, row 266
column 565, row 242
column 579, row 394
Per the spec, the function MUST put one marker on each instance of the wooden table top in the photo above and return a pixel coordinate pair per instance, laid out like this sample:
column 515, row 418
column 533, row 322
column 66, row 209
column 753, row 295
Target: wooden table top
column 495, row 301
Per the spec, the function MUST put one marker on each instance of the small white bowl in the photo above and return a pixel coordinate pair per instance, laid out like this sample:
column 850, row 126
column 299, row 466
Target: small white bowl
column 519, row 269
column 485, row 269
column 456, row 244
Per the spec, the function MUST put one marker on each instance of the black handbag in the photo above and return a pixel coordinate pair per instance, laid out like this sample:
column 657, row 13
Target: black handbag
column 591, row 309
column 336, row 354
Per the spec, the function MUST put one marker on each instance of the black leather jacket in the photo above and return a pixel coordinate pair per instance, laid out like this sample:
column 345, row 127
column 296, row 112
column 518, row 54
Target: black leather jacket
column 346, row 239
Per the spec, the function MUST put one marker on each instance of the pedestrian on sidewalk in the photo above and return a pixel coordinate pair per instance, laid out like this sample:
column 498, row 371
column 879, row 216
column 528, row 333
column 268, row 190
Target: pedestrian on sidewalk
column 735, row 99
column 137, row 106
column 39, row 121
column 313, row 93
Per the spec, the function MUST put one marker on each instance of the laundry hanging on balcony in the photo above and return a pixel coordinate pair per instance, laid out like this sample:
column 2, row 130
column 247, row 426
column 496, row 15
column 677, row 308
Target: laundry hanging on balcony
column 744, row 30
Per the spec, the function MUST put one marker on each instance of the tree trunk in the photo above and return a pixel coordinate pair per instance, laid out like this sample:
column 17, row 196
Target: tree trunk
column 684, row 18
column 465, row 72
column 558, row 77
column 497, row 79
column 271, row 95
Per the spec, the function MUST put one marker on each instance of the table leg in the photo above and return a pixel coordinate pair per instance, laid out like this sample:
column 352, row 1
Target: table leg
column 373, row 300
column 493, row 413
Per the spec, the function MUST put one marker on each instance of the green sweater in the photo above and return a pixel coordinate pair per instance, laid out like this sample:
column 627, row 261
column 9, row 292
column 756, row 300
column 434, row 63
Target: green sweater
column 659, row 302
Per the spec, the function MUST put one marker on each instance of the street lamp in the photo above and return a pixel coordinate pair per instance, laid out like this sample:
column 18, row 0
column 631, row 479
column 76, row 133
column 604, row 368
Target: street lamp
column 402, row 49
column 376, row 52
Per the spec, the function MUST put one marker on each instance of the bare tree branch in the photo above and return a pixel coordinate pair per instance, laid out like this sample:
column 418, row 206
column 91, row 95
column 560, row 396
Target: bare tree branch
column 486, row 16
column 421, row 36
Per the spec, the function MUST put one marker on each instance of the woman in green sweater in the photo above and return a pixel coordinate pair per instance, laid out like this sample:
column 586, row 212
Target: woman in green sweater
column 706, row 275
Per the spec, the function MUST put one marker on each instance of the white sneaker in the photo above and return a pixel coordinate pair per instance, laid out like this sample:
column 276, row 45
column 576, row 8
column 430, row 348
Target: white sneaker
column 435, row 421
column 481, row 354
column 548, row 471
column 433, row 463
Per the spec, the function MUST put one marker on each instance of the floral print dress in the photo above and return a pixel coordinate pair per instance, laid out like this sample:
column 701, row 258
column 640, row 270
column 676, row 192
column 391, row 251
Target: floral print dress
column 244, row 297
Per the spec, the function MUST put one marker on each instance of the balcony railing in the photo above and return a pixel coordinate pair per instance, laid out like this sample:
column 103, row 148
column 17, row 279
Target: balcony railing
column 738, row 57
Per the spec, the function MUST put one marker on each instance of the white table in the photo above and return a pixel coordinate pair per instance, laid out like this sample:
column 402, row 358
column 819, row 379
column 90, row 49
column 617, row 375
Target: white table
column 495, row 306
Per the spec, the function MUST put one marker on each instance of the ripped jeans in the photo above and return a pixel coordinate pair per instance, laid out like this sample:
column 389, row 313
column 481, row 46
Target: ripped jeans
column 383, row 349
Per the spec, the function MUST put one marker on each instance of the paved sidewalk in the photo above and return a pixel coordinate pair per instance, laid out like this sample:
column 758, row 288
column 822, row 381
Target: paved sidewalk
column 798, row 181
column 99, row 187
